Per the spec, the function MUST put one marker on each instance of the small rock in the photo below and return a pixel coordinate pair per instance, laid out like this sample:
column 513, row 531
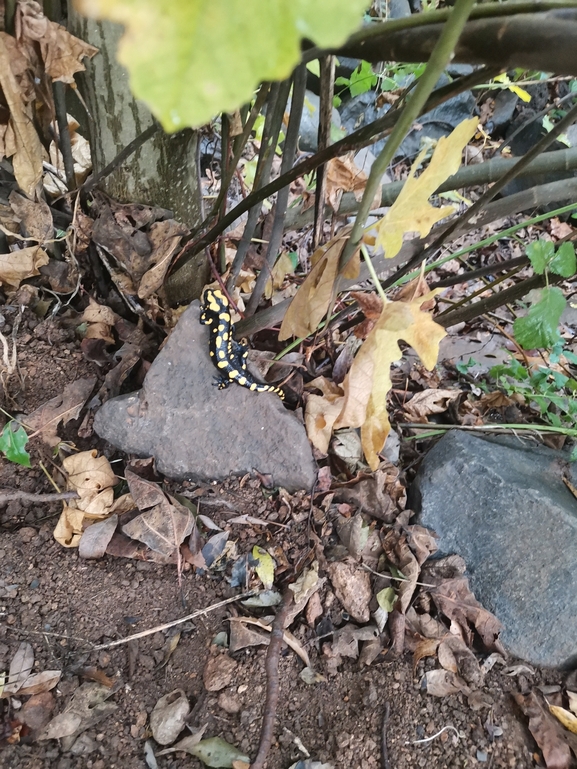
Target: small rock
column 27, row 534
column 229, row 703
column 218, row 672
column 83, row 745
column 168, row 717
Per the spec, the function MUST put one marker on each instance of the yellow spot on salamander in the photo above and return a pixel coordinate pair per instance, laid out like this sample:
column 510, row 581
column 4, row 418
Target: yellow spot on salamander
column 220, row 327
column 221, row 354
column 241, row 380
column 218, row 341
column 225, row 335
column 222, row 363
column 233, row 374
column 225, row 317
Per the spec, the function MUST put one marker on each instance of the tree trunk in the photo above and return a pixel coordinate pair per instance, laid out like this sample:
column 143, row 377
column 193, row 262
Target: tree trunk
column 164, row 170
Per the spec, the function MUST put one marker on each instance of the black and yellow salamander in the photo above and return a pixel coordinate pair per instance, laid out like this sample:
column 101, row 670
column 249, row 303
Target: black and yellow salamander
column 228, row 355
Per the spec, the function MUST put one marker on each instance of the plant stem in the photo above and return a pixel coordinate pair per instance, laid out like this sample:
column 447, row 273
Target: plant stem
column 440, row 58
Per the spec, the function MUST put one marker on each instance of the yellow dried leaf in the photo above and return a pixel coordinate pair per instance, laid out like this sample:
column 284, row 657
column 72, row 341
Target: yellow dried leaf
column 568, row 719
column 412, row 212
column 19, row 265
column 343, row 175
column 311, row 302
column 264, row 567
column 368, row 382
column 282, row 267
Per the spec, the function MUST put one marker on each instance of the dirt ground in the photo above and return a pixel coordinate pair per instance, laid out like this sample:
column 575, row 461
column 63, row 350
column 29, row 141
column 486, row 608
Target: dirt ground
column 63, row 606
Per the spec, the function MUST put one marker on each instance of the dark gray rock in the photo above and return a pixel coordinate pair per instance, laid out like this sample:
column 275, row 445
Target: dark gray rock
column 504, row 507
column 194, row 430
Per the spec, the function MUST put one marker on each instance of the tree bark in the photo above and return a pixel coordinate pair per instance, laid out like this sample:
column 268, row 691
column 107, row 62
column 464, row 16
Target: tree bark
column 163, row 172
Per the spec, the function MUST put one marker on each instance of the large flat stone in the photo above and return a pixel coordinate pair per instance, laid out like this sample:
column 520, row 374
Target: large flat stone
column 505, row 508
column 194, row 430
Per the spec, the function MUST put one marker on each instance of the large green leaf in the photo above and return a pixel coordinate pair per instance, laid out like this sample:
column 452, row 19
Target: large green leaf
column 539, row 327
column 191, row 59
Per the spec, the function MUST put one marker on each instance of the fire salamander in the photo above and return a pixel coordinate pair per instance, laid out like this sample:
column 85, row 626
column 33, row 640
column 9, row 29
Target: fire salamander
column 228, row 355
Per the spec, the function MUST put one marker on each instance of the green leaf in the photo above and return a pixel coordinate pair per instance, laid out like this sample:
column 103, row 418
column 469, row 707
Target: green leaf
column 538, row 328
column 217, row 752
column 386, row 599
column 362, row 79
column 191, row 59
column 540, row 254
column 564, row 262
column 314, row 67
column 13, row 443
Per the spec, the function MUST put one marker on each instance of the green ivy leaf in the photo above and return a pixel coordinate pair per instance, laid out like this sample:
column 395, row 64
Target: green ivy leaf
column 191, row 59
column 13, row 443
column 362, row 79
column 538, row 328
column 564, row 262
column 540, row 254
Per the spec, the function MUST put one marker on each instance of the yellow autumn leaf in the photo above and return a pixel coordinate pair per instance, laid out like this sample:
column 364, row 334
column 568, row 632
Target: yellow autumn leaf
column 411, row 211
column 264, row 567
column 368, row 382
column 568, row 719
column 282, row 267
column 311, row 302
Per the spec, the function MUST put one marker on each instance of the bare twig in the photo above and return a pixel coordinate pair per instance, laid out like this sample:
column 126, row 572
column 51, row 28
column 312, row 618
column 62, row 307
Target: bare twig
column 131, row 148
column 272, row 685
column 8, row 495
column 384, row 747
column 166, row 625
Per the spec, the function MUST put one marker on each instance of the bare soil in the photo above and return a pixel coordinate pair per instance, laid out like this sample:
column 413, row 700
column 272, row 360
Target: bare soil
column 63, row 605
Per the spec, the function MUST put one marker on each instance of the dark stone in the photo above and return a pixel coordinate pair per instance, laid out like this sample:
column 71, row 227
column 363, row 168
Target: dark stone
column 197, row 431
column 504, row 507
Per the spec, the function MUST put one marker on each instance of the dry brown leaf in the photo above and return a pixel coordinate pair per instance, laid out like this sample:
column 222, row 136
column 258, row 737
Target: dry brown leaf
column 369, row 380
column 429, row 402
column 21, row 140
column 455, row 600
column 370, row 303
column 322, row 411
column 61, row 52
column 20, row 668
column 311, row 302
column 412, row 212
column 35, row 217
column 427, row 647
column 352, row 586
column 87, row 708
column 422, row 542
column 400, row 555
column 16, row 266
column 343, row 175
column 41, row 682
column 162, row 528
column 572, row 697
column 447, row 658
column 63, row 408
column 165, row 238
column 442, row 683
column 547, row 731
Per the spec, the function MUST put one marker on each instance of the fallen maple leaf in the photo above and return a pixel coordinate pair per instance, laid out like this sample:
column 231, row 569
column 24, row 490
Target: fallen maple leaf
column 368, row 382
column 411, row 211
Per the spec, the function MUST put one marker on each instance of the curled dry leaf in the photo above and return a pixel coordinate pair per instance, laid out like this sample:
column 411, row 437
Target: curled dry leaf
column 165, row 239
column 566, row 717
column 87, row 708
column 427, row 647
column 41, row 682
column 322, row 412
column 400, row 555
column 16, row 266
column 34, row 216
column 429, row 402
column 455, row 600
column 92, row 478
column 441, row 683
column 186, row 743
column 311, row 302
column 343, row 175
column 549, row 735
column 169, row 716
column 20, row 668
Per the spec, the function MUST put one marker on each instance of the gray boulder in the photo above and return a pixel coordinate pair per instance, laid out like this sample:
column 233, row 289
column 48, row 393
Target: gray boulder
column 503, row 505
column 196, row 431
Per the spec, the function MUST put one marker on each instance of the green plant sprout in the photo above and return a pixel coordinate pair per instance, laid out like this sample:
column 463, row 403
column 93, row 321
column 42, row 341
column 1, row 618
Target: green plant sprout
column 539, row 328
column 13, row 440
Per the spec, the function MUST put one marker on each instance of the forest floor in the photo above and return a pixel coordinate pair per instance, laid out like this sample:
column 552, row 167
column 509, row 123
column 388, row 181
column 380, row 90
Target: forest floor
column 63, row 606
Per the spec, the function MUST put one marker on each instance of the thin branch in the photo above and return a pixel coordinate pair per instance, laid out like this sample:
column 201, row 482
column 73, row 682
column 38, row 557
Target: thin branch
column 63, row 138
column 272, row 684
column 166, row 625
column 8, row 495
column 289, row 154
column 384, row 748
column 123, row 155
